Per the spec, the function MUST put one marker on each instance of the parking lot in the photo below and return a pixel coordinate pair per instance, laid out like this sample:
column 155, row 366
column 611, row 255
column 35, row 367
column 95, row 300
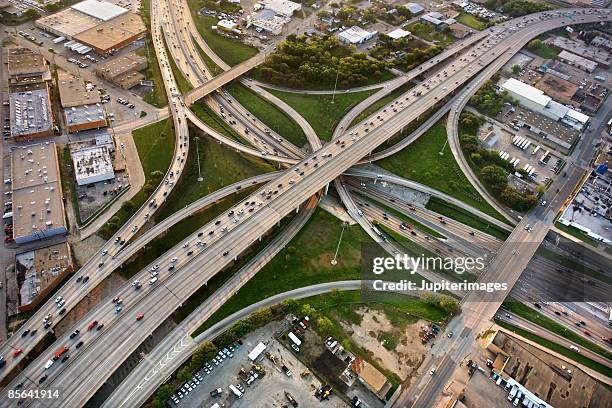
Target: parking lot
column 267, row 390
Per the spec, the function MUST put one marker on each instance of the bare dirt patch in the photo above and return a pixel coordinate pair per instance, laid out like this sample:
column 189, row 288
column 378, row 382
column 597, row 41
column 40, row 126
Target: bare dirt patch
column 409, row 351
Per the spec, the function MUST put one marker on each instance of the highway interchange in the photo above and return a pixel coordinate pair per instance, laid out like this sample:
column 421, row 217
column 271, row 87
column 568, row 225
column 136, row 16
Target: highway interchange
column 199, row 257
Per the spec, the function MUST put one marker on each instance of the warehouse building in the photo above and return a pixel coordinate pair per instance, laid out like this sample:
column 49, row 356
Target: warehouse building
column 284, row 8
column 98, row 24
column 535, row 100
column 124, row 70
column 82, row 107
column 577, row 61
column 24, row 63
column 356, row 35
column 92, row 164
column 38, row 207
column 30, row 114
column 414, row 8
column 598, row 55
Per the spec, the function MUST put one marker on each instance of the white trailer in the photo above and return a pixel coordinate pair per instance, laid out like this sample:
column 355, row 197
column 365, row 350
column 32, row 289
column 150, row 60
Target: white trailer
column 516, row 163
column 537, row 148
column 527, row 145
column 84, row 50
column 294, row 339
column 519, row 141
column 69, row 43
column 235, row 390
column 59, row 40
column 514, row 139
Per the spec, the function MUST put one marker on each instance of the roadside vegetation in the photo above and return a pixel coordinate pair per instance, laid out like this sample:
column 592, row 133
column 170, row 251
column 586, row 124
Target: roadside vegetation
column 155, row 144
column 423, row 163
column 518, row 8
column 491, row 168
column 577, row 357
column 404, row 53
column 268, row 113
column 316, row 63
column 319, row 111
column 473, row 21
column 181, row 82
column 157, row 96
column 429, row 33
column 538, row 47
column 575, row 232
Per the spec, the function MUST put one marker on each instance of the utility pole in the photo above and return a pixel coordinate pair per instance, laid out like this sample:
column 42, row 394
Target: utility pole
column 335, row 260
column 196, row 139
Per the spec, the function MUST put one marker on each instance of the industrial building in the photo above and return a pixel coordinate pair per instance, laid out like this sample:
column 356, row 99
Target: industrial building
column 124, row 70
column 98, row 24
column 24, row 63
column 39, row 271
column 356, row 35
column 535, row 100
column 82, row 107
column 30, row 114
column 92, row 164
column 437, row 20
column 398, row 33
column 38, row 206
column 284, row 8
column 601, row 57
column 577, row 61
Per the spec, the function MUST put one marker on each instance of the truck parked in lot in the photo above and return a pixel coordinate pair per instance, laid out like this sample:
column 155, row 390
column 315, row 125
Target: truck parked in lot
column 286, row 371
column 235, row 390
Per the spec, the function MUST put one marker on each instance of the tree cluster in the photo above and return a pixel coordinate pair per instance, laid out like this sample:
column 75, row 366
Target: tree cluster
column 444, row 302
column 487, row 100
column 302, row 62
column 412, row 57
column 518, row 8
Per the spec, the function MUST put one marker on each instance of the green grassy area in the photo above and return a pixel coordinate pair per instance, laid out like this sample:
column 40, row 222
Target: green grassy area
column 229, row 50
column 268, row 113
column 471, row 21
column 465, row 217
column 422, row 162
column 575, row 232
column 559, row 349
column 544, row 51
column 319, row 111
column 429, row 33
column 220, row 167
column 213, row 120
column 534, row 316
column 210, row 64
column 380, row 103
column 155, row 144
column 181, row 82
column 157, row 96
column 304, row 261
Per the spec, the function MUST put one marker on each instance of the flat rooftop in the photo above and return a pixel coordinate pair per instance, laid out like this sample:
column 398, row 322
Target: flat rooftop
column 37, row 194
column 38, row 269
column 122, row 64
column 23, row 61
column 111, row 34
column 91, row 162
column 30, row 112
column 99, row 9
column 67, row 23
column 73, row 92
column 598, row 55
column 557, row 88
column 78, row 115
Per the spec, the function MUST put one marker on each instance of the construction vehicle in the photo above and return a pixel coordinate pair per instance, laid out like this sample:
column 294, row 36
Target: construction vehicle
column 272, row 358
column 305, row 373
column 291, row 400
column 258, row 369
column 243, row 374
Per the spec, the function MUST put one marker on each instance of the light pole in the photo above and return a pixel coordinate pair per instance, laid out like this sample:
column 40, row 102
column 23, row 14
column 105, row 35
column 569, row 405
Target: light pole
column 335, row 260
column 196, row 139
column 335, row 85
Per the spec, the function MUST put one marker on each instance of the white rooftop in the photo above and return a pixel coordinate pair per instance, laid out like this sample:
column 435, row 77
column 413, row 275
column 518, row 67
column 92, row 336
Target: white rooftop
column 526, row 91
column 92, row 164
column 356, row 35
column 577, row 59
column 100, row 9
column 398, row 33
column 579, row 116
column 283, row 7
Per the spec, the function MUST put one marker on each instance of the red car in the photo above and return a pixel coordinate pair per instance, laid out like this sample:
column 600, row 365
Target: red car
column 92, row 325
column 139, row 316
column 17, row 352
column 8, row 238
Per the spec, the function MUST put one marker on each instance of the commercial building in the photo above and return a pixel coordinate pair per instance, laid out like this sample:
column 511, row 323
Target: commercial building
column 39, row 272
column 356, row 35
column 24, row 63
column 369, row 376
column 124, row 70
column 414, row 8
column 38, row 206
column 535, row 100
column 114, row 34
column 92, row 164
column 577, row 61
column 30, row 114
column 82, row 107
column 98, row 24
column 398, row 33
column 598, row 55
column 266, row 20
column 284, row 8
column 437, row 20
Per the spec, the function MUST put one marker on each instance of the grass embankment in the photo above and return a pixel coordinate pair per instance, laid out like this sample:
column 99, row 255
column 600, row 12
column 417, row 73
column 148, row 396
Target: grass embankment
column 319, row 111
column 380, row 103
column 155, row 145
column 305, row 261
column 575, row 232
column 229, row 50
column 157, row 96
column 471, row 21
column 577, row 357
column 213, row 120
column 429, row 33
column 268, row 113
column 422, row 162
column 534, row 316
column 67, row 173
column 465, row 217
column 543, row 50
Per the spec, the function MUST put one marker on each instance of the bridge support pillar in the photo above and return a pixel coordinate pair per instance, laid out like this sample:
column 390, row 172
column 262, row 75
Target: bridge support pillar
column 326, row 188
column 297, row 210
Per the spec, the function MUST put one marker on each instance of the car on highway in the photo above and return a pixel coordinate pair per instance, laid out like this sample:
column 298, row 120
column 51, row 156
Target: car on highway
column 92, row 325
column 139, row 316
column 74, row 333
column 17, row 352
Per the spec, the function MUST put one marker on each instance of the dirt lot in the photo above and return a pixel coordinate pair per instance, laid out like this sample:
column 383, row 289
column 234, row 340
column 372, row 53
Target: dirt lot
column 409, row 352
